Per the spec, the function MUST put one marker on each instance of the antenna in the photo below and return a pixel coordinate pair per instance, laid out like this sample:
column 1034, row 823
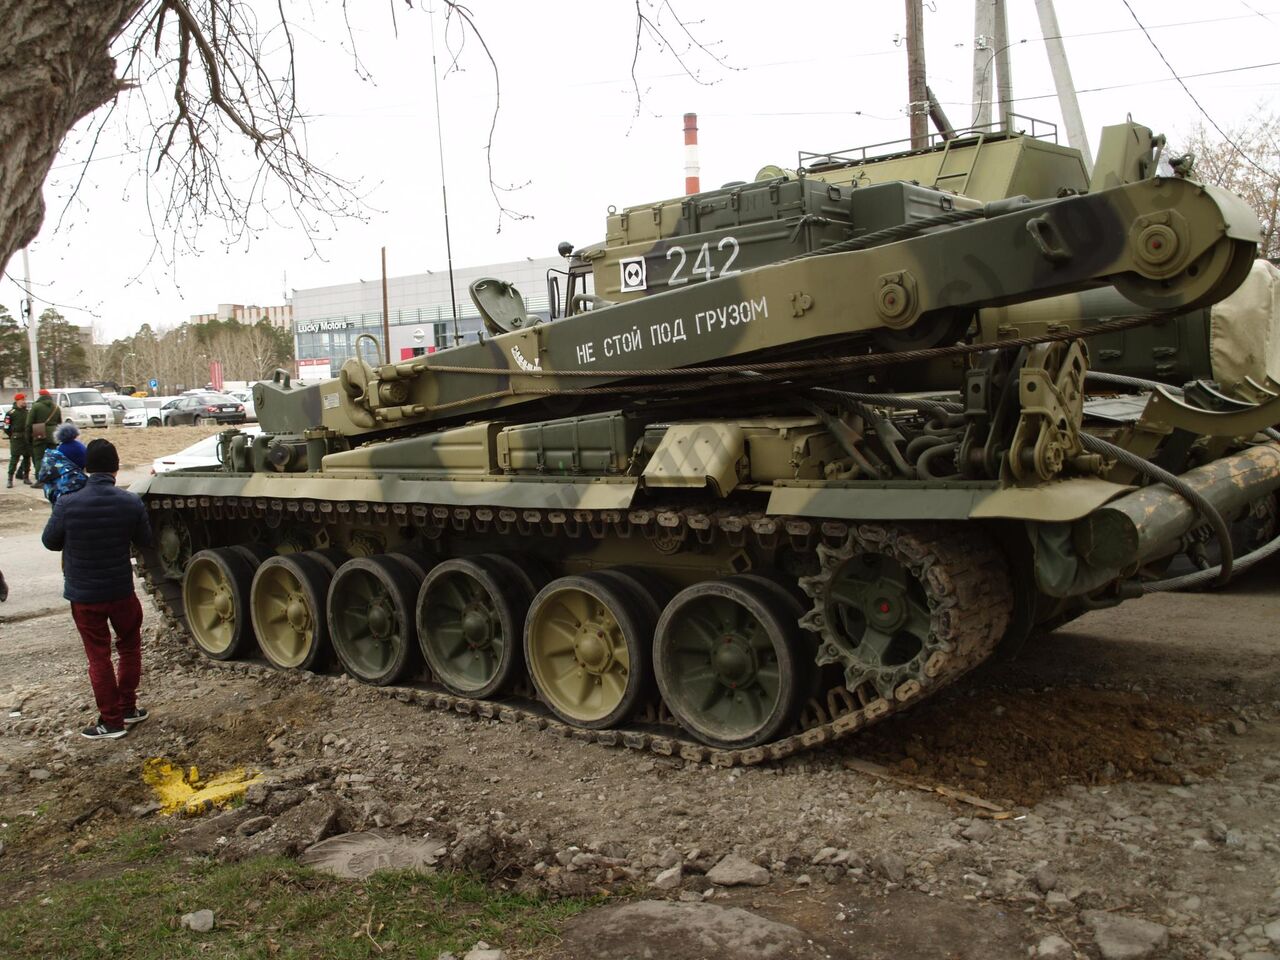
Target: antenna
column 444, row 192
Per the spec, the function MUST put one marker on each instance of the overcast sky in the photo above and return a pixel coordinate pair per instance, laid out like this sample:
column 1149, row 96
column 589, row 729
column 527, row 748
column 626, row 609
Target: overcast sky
column 818, row 76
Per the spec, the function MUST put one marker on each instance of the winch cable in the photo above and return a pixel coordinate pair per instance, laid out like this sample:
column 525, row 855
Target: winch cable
column 1210, row 575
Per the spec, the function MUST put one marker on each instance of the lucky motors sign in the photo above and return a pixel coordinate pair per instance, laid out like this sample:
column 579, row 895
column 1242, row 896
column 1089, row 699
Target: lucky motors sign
column 322, row 326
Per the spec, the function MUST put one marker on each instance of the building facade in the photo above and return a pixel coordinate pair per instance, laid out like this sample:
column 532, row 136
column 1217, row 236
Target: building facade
column 327, row 321
column 279, row 316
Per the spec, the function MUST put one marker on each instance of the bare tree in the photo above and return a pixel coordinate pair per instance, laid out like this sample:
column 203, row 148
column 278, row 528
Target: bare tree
column 214, row 77
column 1246, row 162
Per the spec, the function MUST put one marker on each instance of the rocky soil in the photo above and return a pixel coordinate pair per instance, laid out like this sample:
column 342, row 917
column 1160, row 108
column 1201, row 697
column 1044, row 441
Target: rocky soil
column 1112, row 792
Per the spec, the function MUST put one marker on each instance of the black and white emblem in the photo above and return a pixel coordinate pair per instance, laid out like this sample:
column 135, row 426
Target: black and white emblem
column 633, row 274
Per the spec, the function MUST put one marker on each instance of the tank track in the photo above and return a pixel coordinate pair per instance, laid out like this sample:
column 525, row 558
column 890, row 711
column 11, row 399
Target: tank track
column 966, row 574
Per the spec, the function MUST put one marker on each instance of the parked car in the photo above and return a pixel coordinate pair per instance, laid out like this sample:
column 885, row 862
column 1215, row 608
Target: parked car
column 203, row 408
column 245, row 397
column 202, row 453
column 83, row 407
column 155, row 409
column 127, row 411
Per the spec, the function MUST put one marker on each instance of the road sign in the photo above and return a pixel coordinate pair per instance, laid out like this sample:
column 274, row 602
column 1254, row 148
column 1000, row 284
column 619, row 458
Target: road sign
column 153, row 383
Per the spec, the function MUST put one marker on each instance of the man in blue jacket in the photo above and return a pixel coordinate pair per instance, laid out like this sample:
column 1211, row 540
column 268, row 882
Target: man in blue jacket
column 93, row 527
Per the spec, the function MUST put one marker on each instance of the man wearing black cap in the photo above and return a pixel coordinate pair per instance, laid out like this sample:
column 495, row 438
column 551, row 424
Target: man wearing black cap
column 93, row 527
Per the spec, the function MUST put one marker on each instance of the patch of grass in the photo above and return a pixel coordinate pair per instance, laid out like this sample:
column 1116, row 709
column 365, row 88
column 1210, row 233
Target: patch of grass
column 271, row 909
column 21, row 825
column 140, row 845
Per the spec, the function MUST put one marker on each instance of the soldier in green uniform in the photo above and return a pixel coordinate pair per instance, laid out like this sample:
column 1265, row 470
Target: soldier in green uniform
column 43, row 420
column 15, row 428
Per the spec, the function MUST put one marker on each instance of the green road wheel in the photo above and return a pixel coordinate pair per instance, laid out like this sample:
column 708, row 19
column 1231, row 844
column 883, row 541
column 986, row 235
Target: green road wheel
column 812, row 680
column 173, row 544
column 528, row 575
column 470, row 614
column 724, row 658
column 587, row 650
column 215, row 595
column 415, row 561
column 371, row 622
column 790, row 601
column 254, row 553
column 330, row 558
column 287, row 603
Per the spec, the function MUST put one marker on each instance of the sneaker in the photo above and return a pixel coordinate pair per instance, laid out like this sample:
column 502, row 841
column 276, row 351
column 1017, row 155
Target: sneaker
column 136, row 715
column 100, row 731
column 10, row 484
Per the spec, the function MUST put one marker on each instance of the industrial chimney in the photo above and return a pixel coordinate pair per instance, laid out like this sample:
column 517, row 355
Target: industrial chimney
column 691, row 184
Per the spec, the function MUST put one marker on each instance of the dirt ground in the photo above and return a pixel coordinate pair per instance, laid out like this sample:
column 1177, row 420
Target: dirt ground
column 1126, row 767
column 138, row 446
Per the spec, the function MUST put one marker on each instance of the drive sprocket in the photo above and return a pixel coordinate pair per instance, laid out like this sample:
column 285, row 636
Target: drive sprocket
column 907, row 606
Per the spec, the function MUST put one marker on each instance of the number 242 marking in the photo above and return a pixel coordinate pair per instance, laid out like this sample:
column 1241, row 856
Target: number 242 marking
column 702, row 263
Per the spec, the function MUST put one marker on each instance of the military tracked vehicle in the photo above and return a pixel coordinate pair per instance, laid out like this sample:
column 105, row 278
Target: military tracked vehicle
column 764, row 477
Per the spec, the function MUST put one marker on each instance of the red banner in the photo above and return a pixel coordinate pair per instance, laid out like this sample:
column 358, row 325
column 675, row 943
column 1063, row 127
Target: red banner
column 215, row 374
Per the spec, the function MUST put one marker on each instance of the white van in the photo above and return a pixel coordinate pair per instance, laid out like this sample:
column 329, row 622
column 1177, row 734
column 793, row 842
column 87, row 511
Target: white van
column 83, row 407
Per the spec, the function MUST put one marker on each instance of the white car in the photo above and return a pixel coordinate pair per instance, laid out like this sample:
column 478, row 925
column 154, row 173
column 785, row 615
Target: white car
column 83, row 407
column 202, row 453
column 246, row 398
column 154, row 405
column 127, row 411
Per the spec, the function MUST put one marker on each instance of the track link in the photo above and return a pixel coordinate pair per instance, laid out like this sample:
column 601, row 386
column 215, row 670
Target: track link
column 967, row 580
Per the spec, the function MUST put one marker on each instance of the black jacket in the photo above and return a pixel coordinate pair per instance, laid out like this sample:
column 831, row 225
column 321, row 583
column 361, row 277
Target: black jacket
column 93, row 528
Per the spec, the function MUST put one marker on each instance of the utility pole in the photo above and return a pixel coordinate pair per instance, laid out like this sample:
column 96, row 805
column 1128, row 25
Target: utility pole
column 386, row 320
column 1062, row 80
column 1004, row 72
column 918, row 102
column 983, row 61
column 33, row 345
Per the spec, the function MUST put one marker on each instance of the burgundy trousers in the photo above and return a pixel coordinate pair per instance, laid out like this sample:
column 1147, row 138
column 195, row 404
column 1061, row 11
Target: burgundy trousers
column 114, row 688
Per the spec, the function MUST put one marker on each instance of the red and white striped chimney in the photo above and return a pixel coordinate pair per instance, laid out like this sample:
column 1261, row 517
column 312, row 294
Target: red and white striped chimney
column 691, row 179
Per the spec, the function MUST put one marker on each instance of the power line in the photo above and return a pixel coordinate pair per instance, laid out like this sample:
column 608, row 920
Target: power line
column 32, row 295
column 1133, row 83
column 1212, row 122
column 1254, row 10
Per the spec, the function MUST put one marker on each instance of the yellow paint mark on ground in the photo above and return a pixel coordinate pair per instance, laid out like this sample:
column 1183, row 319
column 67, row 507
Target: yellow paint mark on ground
column 183, row 791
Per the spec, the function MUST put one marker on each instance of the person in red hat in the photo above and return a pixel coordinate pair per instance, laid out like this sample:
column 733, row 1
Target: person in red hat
column 15, row 428
column 43, row 420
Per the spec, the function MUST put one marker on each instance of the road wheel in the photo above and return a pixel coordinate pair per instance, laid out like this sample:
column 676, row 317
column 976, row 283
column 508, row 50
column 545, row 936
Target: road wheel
column 724, row 659
column 215, row 595
column 470, row 617
column 287, row 604
column 153, row 422
column 587, row 651
column 371, row 621
column 173, row 544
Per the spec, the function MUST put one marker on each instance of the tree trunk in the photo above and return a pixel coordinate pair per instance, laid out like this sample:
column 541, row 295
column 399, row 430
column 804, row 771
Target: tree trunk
column 55, row 68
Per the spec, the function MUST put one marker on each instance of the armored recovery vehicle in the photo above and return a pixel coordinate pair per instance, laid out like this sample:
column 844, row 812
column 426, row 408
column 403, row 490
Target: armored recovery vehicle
column 739, row 505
